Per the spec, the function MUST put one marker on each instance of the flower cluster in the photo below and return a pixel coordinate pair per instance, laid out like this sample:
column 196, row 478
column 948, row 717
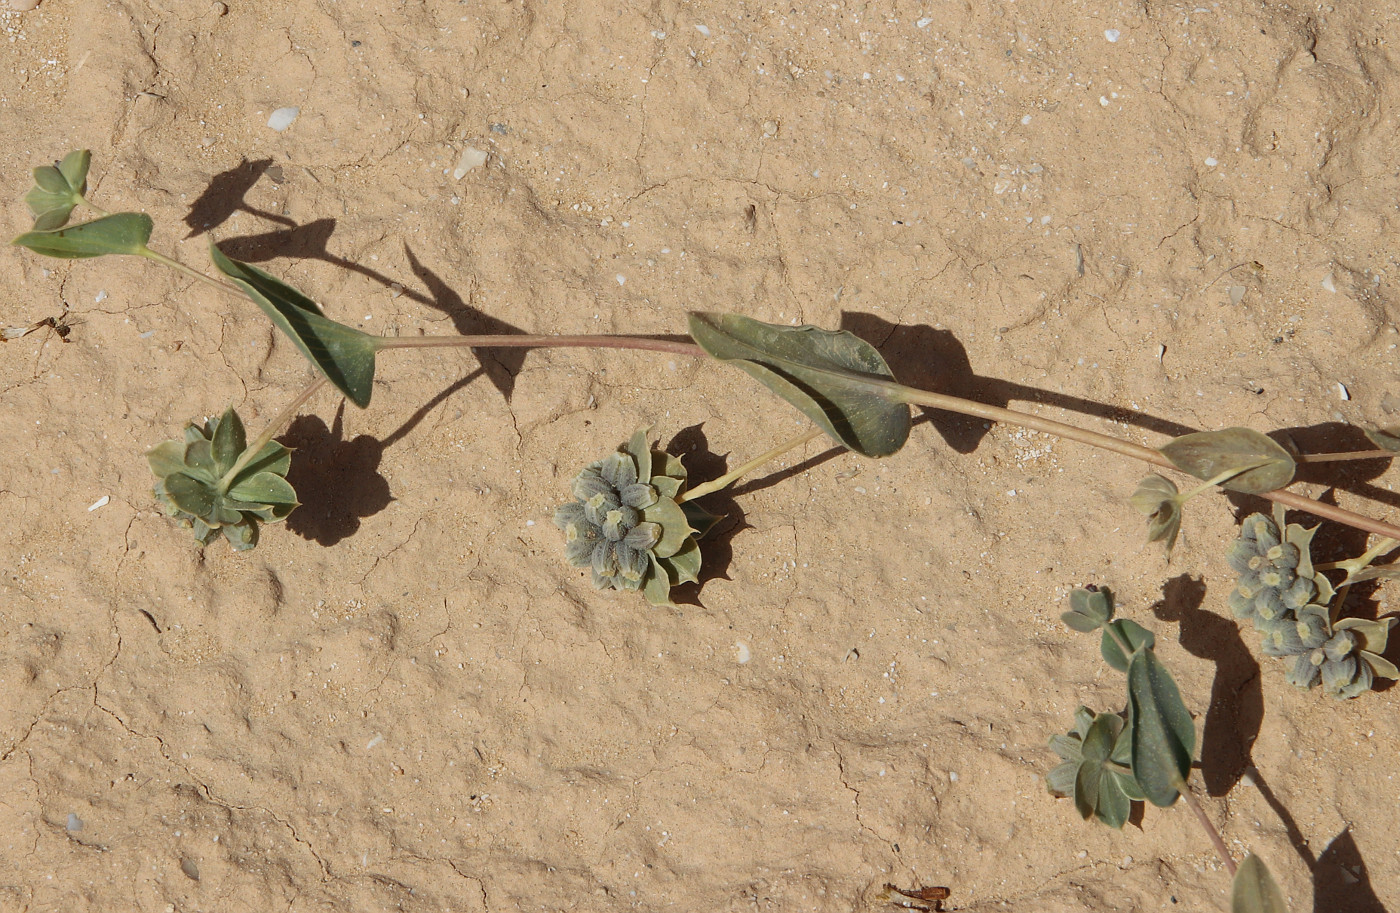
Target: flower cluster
column 1280, row 591
column 631, row 524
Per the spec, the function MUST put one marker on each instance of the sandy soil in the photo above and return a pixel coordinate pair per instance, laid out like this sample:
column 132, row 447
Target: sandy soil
column 1145, row 218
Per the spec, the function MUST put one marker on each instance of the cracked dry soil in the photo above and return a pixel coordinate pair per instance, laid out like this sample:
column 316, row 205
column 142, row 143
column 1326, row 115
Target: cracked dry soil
column 405, row 700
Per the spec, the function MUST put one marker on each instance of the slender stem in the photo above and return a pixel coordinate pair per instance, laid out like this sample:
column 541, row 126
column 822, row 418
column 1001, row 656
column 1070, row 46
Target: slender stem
column 539, row 342
column 1215, row 839
column 273, row 427
column 730, row 478
column 193, row 273
column 101, row 213
column 1349, row 455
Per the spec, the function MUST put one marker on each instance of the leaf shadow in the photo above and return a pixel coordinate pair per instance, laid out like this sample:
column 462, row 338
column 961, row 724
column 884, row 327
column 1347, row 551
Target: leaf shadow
column 932, row 359
column 337, row 480
column 1341, row 880
column 224, row 196
column 701, row 463
column 1236, row 708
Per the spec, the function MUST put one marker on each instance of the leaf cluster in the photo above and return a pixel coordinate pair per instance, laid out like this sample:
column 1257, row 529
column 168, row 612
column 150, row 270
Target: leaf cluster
column 1141, row 753
column 214, row 482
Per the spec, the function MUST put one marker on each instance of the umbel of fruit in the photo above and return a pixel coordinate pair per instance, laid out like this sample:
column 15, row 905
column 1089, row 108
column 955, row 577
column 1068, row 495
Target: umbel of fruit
column 631, row 524
column 213, row 482
column 1281, row 592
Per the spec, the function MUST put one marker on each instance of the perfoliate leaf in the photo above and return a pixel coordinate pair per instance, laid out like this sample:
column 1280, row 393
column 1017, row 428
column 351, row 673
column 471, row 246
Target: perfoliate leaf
column 1089, row 609
column 1164, row 736
column 1254, row 889
column 1385, row 438
column 1158, row 499
column 1261, row 463
column 57, row 189
column 344, row 354
column 1135, row 634
column 264, row 488
column 825, row 374
column 121, row 233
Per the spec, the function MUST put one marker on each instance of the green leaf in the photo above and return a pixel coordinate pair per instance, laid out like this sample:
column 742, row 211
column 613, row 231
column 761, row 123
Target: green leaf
column 1262, row 465
column 827, row 375
column 675, row 529
column 685, row 563
column 1254, row 889
column 344, row 354
column 229, row 441
column 190, row 494
column 1158, row 499
column 1089, row 609
column 264, row 488
column 700, row 519
column 58, row 189
column 166, row 458
column 1385, row 438
column 122, row 233
column 1136, row 636
column 1164, row 736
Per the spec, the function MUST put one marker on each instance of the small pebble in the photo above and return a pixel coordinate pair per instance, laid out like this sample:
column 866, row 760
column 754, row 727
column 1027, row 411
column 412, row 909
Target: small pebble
column 101, row 296
column 1343, row 392
column 75, row 823
column 470, row 160
column 282, row 118
column 703, row 29
column 1211, row 162
column 1328, row 284
column 1111, row 35
column 218, row 9
column 741, row 652
column 23, row 6
column 924, row 22
column 1236, row 294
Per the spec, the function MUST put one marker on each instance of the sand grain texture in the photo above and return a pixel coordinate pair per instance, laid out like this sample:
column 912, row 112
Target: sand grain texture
column 404, row 700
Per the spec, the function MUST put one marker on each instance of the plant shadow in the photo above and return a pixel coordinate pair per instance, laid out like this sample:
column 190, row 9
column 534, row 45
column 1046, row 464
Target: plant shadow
column 932, row 359
column 1236, row 707
column 225, row 196
column 338, row 480
column 702, row 464
column 1341, row 880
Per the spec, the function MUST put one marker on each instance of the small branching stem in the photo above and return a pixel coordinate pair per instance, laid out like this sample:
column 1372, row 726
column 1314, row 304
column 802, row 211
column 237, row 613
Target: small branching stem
column 193, row 273
column 273, row 428
column 1215, row 838
column 730, row 478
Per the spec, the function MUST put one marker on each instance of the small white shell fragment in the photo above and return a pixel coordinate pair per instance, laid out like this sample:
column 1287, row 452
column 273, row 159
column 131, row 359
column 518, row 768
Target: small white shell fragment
column 1211, row 161
column 1236, row 294
column 74, row 823
column 1161, row 351
column 23, row 6
column 703, row 29
column 924, row 22
column 1328, row 284
column 282, row 118
column 470, row 159
column 101, row 296
column 1111, row 35
column 100, row 502
column 374, row 741
column 1343, row 392
column 741, row 652
column 621, row 279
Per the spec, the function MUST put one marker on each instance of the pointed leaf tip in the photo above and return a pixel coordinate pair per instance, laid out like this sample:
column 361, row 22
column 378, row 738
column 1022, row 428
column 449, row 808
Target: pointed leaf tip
column 826, row 374
column 343, row 354
column 1254, row 889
